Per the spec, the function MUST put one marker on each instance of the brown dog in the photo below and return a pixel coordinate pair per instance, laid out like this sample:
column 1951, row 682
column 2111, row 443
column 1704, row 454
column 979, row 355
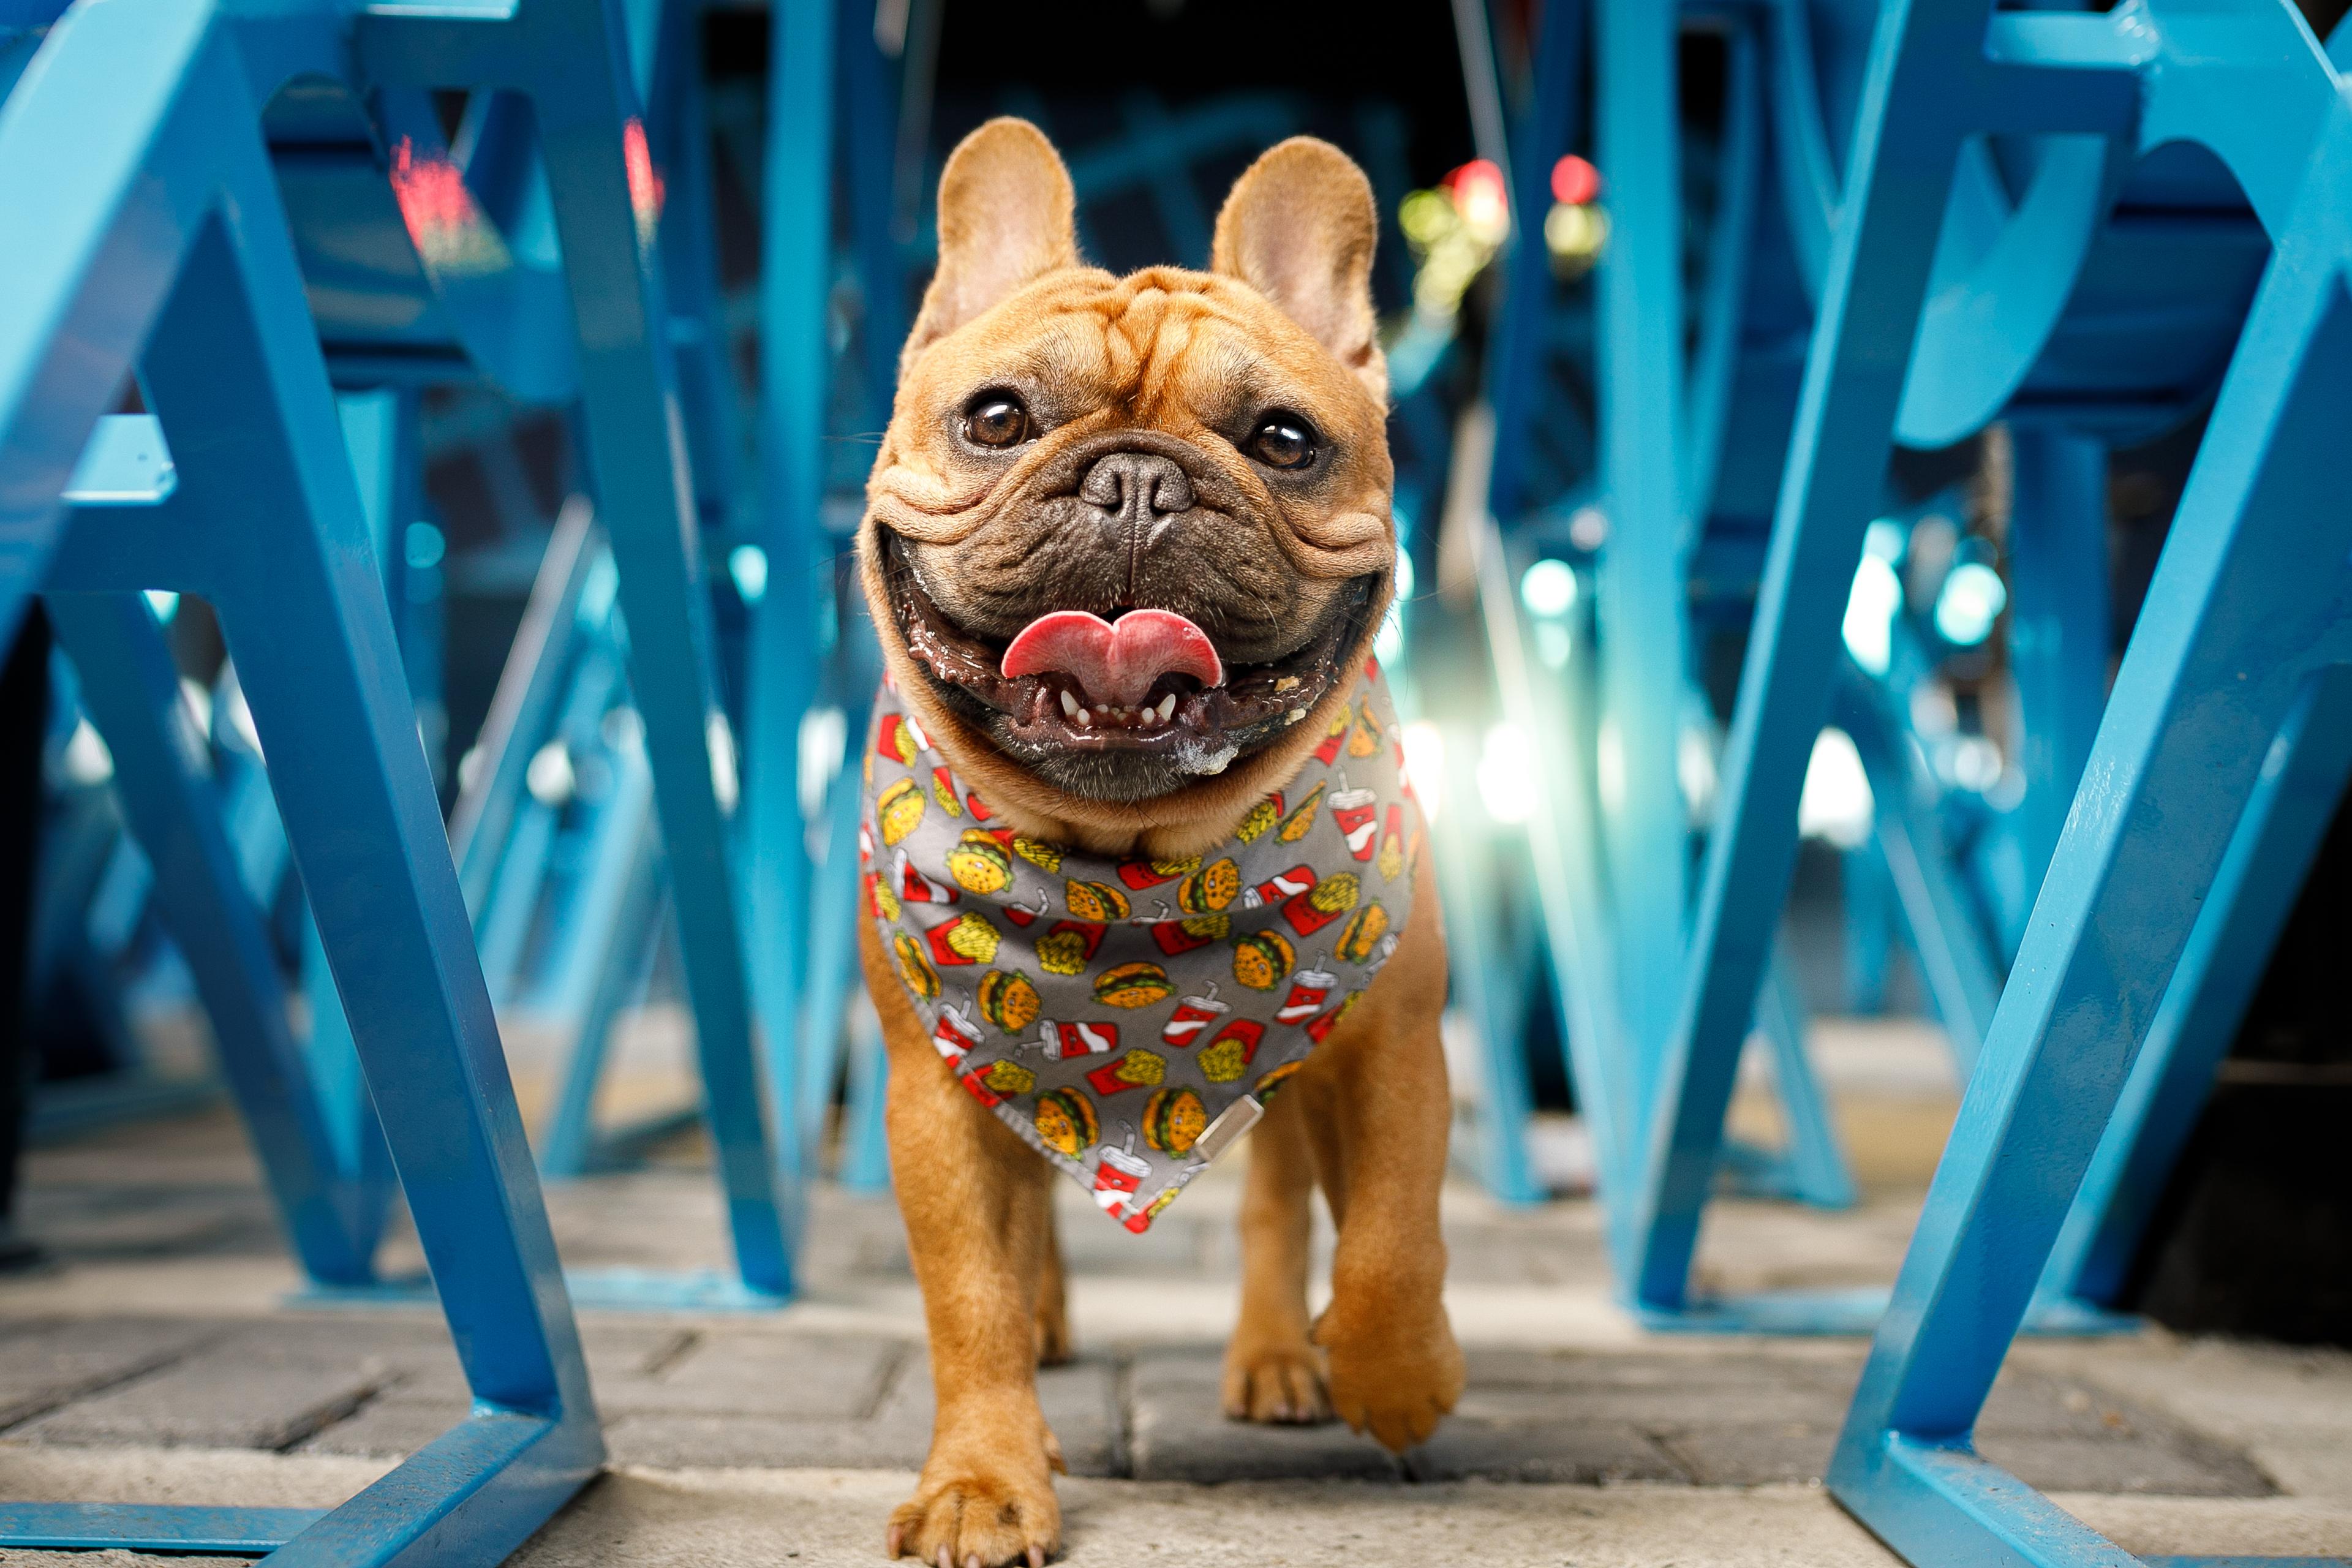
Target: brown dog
column 1210, row 445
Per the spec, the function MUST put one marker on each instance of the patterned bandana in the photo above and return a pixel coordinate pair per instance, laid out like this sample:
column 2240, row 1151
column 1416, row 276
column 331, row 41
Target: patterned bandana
column 1129, row 1019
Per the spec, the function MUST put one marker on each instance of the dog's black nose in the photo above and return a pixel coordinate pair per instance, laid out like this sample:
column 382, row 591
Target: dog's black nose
column 1135, row 488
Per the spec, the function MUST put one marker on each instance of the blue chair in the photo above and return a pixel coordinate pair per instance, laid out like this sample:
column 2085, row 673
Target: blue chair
column 2036, row 313
column 2225, row 745
column 1611, row 864
column 484, row 256
column 167, row 252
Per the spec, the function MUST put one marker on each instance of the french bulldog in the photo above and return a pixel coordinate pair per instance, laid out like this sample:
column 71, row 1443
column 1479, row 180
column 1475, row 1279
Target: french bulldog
column 1126, row 544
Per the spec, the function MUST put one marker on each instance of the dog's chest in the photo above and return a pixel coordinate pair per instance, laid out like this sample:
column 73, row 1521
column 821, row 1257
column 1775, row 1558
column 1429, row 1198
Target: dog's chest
column 1129, row 1018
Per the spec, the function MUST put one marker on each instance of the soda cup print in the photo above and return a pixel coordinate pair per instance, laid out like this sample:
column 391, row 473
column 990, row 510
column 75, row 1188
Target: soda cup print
column 1357, row 811
column 1308, row 987
column 1193, row 1015
column 1119, row 1176
column 1281, row 886
column 917, row 889
column 953, row 1034
column 1063, row 1041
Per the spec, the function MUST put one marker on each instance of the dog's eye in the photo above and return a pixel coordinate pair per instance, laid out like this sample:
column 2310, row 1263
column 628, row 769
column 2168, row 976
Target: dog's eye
column 996, row 419
column 1283, row 441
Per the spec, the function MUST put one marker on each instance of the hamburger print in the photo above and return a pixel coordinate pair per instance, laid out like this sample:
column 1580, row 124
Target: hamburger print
column 1009, row 1001
column 1260, row 959
column 1066, row 1122
column 898, row 811
column 1359, row 939
column 980, row 864
column 921, row 977
column 1133, row 985
column 1173, row 1120
column 1209, row 889
column 1097, row 901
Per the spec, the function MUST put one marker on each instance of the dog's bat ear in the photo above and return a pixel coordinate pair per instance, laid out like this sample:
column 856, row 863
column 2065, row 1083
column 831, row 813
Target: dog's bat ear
column 1007, row 215
column 1299, row 228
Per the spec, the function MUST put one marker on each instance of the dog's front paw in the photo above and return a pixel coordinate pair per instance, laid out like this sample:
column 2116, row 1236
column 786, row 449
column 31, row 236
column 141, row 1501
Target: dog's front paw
column 983, row 1515
column 1281, row 1382
column 1389, row 1377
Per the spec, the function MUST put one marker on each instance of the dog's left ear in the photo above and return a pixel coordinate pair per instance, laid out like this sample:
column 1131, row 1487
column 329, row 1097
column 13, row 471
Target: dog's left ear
column 1299, row 228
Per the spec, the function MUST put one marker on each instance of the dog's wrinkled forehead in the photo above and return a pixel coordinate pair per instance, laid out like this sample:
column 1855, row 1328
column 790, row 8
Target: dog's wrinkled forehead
column 1163, row 349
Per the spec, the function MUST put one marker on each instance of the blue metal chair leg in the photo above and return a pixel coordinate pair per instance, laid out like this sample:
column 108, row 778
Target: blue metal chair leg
column 1517, row 352
column 2303, row 779
column 1868, row 896
column 833, row 974
column 1895, row 191
column 2058, row 628
column 2251, row 602
column 572, row 1144
column 1812, row 1163
column 1489, row 982
column 1645, row 821
column 260, row 517
column 796, row 275
column 628, row 406
column 1945, row 936
column 865, row 1148
column 131, row 692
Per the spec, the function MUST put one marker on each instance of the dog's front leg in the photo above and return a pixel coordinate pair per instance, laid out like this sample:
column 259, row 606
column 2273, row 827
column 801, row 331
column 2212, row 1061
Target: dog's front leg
column 1378, row 1123
column 976, row 1206
column 1272, row 1372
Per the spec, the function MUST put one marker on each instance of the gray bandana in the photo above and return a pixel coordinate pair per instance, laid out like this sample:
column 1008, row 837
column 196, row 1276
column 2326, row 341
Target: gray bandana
column 1129, row 1019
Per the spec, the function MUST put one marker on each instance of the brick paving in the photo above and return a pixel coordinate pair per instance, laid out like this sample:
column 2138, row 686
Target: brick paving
column 742, row 1391
column 110, row 1349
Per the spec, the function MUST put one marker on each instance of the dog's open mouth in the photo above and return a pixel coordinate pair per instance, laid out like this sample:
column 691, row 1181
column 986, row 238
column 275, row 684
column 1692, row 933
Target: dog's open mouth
column 1147, row 682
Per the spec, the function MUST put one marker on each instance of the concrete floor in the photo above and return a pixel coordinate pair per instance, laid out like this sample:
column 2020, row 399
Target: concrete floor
column 158, row 1360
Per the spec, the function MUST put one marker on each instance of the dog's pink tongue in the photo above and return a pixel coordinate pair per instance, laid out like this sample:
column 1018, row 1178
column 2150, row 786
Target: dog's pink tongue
column 1116, row 662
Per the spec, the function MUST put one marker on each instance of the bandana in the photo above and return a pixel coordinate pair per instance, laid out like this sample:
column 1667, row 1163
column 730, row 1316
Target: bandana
column 1129, row 1019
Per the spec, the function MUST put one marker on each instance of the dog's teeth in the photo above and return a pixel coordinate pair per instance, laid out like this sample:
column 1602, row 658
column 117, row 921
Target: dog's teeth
column 1168, row 708
column 1084, row 717
column 1069, row 706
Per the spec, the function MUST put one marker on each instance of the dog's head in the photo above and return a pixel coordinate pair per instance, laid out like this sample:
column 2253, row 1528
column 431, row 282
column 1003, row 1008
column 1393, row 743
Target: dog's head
column 1130, row 533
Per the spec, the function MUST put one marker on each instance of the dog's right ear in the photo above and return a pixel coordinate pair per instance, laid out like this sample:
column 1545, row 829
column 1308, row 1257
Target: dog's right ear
column 1007, row 215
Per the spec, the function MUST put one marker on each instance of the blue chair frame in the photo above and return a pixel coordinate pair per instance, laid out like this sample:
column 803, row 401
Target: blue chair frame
column 1628, row 882
column 2222, row 755
column 582, row 330
column 1994, row 289
column 167, row 249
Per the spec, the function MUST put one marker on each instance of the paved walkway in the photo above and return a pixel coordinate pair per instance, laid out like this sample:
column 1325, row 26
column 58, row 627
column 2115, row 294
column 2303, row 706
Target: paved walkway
column 159, row 1361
